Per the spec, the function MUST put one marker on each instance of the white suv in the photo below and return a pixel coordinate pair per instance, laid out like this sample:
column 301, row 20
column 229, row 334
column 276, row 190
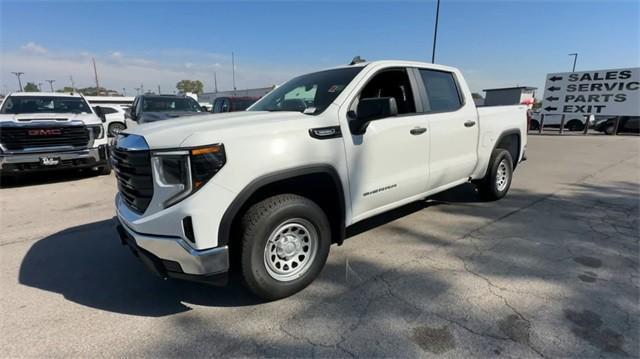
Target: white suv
column 276, row 185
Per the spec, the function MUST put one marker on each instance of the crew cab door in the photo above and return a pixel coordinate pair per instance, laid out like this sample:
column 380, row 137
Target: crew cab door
column 452, row 121
column 388, row 162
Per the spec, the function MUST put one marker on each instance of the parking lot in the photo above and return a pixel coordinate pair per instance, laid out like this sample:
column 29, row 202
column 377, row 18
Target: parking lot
column 552, row 270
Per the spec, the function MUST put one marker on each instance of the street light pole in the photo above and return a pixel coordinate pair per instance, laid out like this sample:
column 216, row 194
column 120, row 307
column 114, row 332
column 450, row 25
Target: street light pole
column 51, row 84
column 575, row 59
column 435, row 34
column 18, row 74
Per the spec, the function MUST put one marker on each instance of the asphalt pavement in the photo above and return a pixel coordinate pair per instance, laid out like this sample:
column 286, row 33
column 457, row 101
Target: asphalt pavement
column 552, row 270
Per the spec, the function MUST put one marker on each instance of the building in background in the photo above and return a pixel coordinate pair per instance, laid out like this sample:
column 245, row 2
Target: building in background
column 509, row 95
column 210, row 97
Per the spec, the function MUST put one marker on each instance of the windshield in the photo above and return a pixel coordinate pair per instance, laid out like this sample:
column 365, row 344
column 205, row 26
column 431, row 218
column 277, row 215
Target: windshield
column 170, row 104
column 311, row 93
column 44, row 104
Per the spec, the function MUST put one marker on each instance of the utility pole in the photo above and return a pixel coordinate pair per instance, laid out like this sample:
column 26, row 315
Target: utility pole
column 124, row 91
column 18, row 74
column 233, row 72
column 95, row 73
column 158, row 89
column 137, row 90
column 51, row 84
column 142, row 89
column 40, row 86
column 73, row 84
column 215, row 82
column 435, row 34
column 575, row 59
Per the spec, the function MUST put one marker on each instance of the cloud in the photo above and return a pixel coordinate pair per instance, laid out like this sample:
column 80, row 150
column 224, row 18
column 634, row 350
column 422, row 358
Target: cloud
column 117, row 70
column 117, row 55
column 33, row 48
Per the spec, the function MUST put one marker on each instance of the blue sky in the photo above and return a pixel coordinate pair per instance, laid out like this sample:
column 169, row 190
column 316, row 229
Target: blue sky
column 495, row 43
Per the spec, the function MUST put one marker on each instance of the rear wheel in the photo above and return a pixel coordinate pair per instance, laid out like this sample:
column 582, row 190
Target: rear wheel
column 285, row 244
column 497, row 181
column 535, row 125
column 575, row 126
column 609, row 129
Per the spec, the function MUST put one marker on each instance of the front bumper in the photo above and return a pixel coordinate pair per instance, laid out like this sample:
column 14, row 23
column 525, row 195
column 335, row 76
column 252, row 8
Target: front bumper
column 22, row 162
column 172, row 257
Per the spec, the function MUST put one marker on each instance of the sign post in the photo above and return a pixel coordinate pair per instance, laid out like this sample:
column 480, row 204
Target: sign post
column 614, row 92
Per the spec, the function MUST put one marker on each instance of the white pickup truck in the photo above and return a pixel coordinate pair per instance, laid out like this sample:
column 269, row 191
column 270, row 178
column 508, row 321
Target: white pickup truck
column 49, row 130
column 268, row 190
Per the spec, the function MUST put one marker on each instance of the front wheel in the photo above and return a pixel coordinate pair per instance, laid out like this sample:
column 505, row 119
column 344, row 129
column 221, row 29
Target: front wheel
column 285, row 244
column 497, row 181
column 115, row 128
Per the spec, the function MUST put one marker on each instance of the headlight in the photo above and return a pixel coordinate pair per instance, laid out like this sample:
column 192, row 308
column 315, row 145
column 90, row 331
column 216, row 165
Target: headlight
column 96, row 131
column 180, row 173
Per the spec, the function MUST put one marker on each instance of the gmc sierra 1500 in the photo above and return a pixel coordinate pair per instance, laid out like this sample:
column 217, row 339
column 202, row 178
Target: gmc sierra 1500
column 276, row 185
column 44, row 131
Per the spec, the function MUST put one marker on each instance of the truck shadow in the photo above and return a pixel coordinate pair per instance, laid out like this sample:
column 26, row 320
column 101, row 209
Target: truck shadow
column 88, row 265
column 44, row 177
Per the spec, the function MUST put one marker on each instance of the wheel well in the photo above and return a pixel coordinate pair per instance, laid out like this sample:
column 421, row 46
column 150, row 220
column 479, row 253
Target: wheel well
column 511, row 143
column 319, row 187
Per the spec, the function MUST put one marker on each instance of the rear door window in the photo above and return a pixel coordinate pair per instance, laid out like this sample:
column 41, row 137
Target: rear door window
column 442, row 91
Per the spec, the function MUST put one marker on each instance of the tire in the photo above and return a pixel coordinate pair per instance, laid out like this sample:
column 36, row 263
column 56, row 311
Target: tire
column 275, row 233
column 535, row 125
column 115, row 128
column 104, row 170
column 497, row 181
column 609, row 129
column 575, row 126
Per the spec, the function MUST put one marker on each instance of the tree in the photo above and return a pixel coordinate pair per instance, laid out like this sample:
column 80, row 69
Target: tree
column 31, row 87
column 194, row 86
column 66, row 89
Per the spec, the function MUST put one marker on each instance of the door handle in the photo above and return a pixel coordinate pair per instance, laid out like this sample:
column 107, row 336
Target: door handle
column 469, row 123
column 418, row 131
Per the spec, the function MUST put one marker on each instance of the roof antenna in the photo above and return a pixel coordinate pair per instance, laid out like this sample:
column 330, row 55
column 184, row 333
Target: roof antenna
column 357, row 60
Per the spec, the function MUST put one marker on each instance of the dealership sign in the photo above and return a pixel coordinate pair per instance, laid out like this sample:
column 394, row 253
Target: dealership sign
column 602, row 92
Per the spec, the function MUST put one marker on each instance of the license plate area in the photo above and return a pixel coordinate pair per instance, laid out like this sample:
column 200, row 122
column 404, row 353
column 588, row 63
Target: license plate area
column 49, row 161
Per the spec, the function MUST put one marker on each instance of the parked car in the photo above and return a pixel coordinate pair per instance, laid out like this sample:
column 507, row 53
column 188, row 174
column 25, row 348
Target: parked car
column 276, row 185
column 629, row 124
column 115, row 117
column 47, row 130
column 553, row 121
column 233, row 104
column 152, row 108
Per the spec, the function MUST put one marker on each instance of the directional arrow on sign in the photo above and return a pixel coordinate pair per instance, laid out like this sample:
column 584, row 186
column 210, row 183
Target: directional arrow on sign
column 549, row 108
column 551, row 98
column 553, row 88
column 555, row 78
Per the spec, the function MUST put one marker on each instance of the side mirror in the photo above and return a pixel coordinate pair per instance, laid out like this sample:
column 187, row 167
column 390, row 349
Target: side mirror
column 371, row 109
column 100, row 113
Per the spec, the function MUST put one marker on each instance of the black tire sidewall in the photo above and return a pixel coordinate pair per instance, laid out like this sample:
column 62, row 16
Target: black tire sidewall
column 266, row 286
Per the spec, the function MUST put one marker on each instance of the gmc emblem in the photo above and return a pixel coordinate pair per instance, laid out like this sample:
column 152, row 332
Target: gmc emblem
column 47, row 132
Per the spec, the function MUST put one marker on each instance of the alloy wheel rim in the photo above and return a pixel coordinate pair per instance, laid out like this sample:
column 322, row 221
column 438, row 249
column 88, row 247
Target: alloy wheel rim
column 291, row 249
column 502, row 176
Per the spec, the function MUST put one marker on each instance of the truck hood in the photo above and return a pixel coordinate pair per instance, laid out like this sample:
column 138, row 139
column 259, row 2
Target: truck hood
column 87, row 118
column 214, row 128
column 159, row 116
